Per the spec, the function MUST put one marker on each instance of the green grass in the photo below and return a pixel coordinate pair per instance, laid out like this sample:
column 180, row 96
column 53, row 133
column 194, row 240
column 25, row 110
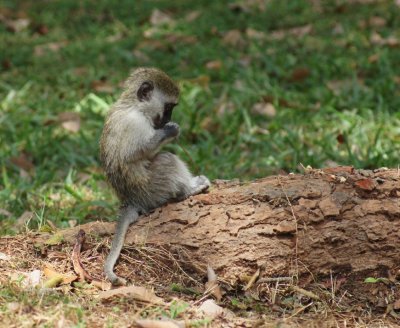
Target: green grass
column 66, row 185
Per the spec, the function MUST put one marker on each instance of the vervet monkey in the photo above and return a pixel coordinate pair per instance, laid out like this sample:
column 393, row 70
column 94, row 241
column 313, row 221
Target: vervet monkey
column 137, row 125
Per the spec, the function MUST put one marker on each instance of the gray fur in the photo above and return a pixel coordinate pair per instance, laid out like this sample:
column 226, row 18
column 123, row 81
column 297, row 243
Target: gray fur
column 143, row 177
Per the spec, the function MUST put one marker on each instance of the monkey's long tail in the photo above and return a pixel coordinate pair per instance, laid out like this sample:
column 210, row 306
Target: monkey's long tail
column 128, row 216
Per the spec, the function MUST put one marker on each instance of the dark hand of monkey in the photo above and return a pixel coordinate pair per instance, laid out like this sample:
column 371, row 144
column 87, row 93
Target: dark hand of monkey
column 171, row 130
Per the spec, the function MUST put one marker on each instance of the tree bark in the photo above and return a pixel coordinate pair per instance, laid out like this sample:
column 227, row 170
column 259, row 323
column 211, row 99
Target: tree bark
column 336, row 220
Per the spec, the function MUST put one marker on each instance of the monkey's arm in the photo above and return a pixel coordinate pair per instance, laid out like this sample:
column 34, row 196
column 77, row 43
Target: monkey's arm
column 128, row 216
column 161, row 137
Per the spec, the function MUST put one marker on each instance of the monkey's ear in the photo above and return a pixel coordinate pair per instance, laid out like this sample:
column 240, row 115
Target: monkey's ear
column 145, row 91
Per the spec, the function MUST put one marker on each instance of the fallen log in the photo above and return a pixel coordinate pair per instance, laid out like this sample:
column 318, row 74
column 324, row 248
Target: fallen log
column 335, row 220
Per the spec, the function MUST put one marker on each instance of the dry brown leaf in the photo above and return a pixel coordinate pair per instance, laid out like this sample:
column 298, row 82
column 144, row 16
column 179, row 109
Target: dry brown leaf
column 180, row 38
column 390, row 41
column 214, row 64
column 299, row 74
column 136, row 292
column 374, row 21
column 233, row 38
column 158, row 18
column 210, row 125
column 254, row 34
column 80, row 71
column 373, row 58
column 15, row 25
column 23, row 161
column 147, row 323
column 140, row 55
column 265, row 109
column 76, row 257
column 102, row 86
column 65, row 279
column 192, row 16
column 396, row 305
column 299, row 31
column 43, row 49
column 70, row 121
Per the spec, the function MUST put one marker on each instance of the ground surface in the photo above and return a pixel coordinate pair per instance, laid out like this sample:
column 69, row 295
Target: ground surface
column 266, row 85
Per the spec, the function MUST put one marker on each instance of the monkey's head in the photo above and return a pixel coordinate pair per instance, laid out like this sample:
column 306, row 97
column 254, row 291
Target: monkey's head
column 153, row 93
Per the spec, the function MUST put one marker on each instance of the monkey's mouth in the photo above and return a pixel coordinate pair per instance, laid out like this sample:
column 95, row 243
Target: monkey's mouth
column 160, row 122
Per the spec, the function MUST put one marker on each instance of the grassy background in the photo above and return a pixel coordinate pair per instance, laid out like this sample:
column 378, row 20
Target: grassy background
column 334, row 88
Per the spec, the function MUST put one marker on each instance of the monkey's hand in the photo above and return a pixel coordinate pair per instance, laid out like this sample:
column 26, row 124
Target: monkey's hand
column 171, row 130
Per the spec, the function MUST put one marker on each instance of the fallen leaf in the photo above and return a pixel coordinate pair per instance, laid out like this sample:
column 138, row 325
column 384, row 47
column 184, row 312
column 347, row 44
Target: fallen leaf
column 299, row 74
column 374, row 21
column 341, row 139
column 158, row 18
column 15, row 25
column 390, row 41
column 140, row 55
column 102, row 86
column 211, row 309
column 214, row 64
column 265, row 109
column 233, row 38
column 23, row 161
column 192, row 16
column 70, row 121
column 373, row 58
column 136, row 292
column 299, row 31
column 76, row 257
column 6, row 64
column 147, row 323
column 66, row 279
column 43, row 49
column 42, row 29
column 254, row 34
column 396, row 304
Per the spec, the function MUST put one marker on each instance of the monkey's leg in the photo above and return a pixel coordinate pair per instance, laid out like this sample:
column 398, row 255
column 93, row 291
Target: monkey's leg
column 128, row 216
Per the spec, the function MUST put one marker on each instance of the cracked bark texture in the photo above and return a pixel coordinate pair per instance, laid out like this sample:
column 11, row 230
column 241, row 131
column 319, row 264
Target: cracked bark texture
column 336, row 220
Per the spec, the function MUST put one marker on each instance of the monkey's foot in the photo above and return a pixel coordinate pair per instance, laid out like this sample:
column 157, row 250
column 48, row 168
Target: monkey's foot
column 200, row 184
column 115, row 280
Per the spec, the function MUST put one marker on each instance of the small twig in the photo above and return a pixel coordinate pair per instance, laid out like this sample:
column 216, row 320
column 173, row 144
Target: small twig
column 298, row 311
column 274, row 279
column 305, row 292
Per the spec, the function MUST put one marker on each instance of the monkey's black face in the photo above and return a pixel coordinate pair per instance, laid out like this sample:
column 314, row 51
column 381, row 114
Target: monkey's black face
column 160, row 121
